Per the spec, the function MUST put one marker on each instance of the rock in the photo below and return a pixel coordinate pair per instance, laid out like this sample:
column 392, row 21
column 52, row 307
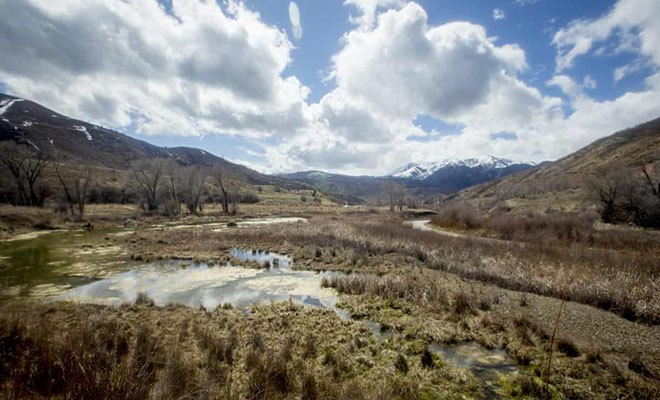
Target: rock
column 129, row 223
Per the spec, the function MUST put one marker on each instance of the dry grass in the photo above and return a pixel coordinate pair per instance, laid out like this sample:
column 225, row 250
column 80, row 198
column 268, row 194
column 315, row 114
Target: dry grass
column 627, row 283
column 78, row 351
column 12, row 217
column 415, row 288
column 500, row 324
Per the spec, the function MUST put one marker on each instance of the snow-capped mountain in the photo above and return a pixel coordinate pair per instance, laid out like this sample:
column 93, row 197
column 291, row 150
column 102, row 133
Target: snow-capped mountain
column 423, row 171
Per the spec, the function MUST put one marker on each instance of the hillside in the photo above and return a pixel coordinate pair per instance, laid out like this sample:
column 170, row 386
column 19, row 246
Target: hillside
column 561, row 184
column 77, row 141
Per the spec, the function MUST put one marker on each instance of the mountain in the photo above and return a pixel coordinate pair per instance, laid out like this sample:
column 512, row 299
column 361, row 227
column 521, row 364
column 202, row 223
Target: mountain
column 560, row 184
column 76, row 141
column 452, row 175
column 344, row 188
column 425, row 170
column 423, row 180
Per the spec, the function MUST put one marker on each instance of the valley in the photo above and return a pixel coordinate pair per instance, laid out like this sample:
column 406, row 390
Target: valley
column 329, row 200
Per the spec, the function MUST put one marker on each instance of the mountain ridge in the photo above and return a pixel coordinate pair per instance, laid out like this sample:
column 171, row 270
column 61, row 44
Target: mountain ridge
column 422, row 171
column 77, row 141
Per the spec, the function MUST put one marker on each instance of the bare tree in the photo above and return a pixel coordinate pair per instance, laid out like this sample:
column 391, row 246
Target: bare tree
column 607, row 190
column 170, row 197
column 395, row 193
column 75, row 181
column 147, row 176
column 655, row 189
column 25, row 165
column 221, row 179
column 194, row 188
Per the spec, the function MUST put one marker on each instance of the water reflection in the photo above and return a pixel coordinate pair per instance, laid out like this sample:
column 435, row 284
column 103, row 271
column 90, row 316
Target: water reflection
column 209, row 285
column 487, row 365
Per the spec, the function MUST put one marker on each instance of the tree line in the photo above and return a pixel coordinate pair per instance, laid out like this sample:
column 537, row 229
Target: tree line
column 33, row 178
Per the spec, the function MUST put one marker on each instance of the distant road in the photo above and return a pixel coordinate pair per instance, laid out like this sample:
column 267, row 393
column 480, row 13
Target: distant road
column 422, row 225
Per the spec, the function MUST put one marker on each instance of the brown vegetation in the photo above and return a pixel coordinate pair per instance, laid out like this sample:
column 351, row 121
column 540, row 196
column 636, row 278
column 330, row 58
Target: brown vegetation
column 622, row 282
column 137, row 352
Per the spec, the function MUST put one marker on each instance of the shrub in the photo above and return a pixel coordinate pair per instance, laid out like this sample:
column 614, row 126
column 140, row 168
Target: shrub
column 638, row 366
column 462, row 304
column 248, row 198
column 309, row 391
column 144, row 300
column 427, row 359
column 567, row 347
column 458, row 216
column 401, row 364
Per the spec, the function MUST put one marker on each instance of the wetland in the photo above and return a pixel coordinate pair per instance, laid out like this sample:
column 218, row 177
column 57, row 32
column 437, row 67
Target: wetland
column 326, row 306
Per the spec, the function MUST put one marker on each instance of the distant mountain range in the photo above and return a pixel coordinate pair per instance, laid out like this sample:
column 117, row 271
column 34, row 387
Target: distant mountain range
column 76, row 141
column 422, row 179
column 423, row 171
column 453, row 174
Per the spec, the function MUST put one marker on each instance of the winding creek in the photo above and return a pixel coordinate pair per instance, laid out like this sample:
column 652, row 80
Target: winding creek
column 66, row 266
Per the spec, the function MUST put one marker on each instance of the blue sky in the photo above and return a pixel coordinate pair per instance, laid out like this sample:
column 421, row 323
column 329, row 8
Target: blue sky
column 370, row 85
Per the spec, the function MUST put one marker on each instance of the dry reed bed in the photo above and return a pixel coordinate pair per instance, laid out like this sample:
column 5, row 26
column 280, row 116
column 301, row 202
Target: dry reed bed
column 422, row 308
column 627, row 284
column 282, row 351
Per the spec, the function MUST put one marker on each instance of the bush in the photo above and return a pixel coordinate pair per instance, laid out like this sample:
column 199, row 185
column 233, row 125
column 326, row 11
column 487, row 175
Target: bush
column 567, row 348
column 458, row 216
column 248, row 198
column 401, row 364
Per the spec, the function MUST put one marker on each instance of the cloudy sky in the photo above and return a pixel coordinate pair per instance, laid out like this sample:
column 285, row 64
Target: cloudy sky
column 358, row 86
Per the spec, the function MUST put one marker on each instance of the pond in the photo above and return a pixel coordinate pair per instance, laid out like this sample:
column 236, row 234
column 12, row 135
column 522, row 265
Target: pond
column 209, row 285
column 40, row 265
column 487, row 365
column 46, row 263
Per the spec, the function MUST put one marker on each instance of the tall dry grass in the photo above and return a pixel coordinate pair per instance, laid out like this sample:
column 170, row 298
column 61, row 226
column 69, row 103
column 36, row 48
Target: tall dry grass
column 627, row 283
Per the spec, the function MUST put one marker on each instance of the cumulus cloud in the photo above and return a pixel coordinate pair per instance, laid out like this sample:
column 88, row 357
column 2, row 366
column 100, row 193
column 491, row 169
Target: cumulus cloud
column 569, row 86
column 201, row 69
column 498, row 14
column 368, row 9
column 634, row 23
column 402, row 67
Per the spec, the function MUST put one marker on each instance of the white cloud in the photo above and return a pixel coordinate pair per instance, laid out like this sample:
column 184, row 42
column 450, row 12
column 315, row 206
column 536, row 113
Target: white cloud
column 204, row 69
column 634, row 23
column 589, row 83
column 219, row 69
column 498, row 14
column 400, row 68
column 368, row 9
column 523, row 3
column 631, row 68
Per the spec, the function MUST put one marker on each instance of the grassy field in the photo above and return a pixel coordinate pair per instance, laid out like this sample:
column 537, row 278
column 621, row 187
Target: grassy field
column 580, row 322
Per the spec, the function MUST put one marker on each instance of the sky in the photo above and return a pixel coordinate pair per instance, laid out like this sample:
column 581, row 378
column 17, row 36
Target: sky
column 354, row 87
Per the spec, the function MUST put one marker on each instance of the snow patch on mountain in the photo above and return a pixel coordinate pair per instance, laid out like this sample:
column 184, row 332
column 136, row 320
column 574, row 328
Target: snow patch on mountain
column 83, row 129
column 6, row 104
column 421, row 171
